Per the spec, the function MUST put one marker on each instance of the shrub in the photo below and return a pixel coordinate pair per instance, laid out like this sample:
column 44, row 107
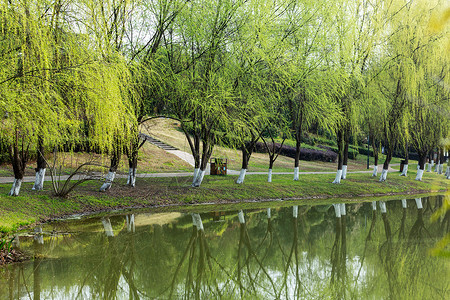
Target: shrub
column 305, row 154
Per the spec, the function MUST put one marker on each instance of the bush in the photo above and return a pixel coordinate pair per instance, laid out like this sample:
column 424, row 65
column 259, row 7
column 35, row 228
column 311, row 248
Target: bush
column 352, row 152
column 305, row 154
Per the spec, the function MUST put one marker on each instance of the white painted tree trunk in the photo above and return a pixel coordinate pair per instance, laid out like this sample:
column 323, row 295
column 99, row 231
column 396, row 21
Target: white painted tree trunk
column 197, row 221
column 108, row 228
column 295, row 211
column 130, row 223
column 337, row 210
column 375, row 171
column 269, row 214
column 199, row 179
column 338, row 176
column 241, row 177
column 15, row 189
column 419, row 174
column 448, row 172
column 241, row 217
column 419, row 203
column 405, row 170
column 296, row 171
column 131, row 180
column 436, row 167
column 404, row 204
column 108, row 181
column 269, row 176
column 39, row 181
column 196, row 172
column 344, row 172
column 383, row 207
column 383, row 175
column 374, row 205
column 430, row 165
column 441, row 168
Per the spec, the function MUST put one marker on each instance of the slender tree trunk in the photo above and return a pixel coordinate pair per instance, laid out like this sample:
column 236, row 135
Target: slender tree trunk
column 375, row 157
column 208, row 146
column 438, row 155
column 40, row 168
column 441, row 161
column 340, row 142
column 133, row 154
column 422, row 160
column 389, row 152
column 114, row 164
column 345, row 158
column 247, row 150
column 405, row 166
column 19, row 159
column 298, row 135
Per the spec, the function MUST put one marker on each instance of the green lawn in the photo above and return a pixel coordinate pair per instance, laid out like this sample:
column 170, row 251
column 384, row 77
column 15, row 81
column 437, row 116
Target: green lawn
column 32, row 206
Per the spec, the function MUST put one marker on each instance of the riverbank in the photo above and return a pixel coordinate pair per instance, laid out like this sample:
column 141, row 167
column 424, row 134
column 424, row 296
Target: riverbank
column 34, row 207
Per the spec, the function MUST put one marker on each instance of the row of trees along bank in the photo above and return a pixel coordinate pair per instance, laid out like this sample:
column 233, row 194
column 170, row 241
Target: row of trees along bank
column 91, row 72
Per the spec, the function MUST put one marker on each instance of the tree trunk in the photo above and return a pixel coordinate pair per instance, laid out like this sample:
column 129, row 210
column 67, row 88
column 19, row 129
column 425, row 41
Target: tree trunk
column 375, row 157
column 19, row 159
column 40, row 168
column 386, row 164
column 441, row 161
column 405, row 166
column 297, row 157
column 206, row 154
column 115, row 160
column 438, row 155
column 421, row 169
column 340, row 141
column 247, row 150
column 345, row 158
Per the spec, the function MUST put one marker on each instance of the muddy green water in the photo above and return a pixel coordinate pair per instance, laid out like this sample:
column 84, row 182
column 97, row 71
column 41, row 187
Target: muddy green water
column 367, row 250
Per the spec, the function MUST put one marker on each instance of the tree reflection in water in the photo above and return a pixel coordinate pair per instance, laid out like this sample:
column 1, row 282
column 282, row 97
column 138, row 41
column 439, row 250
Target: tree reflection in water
column 294, row 252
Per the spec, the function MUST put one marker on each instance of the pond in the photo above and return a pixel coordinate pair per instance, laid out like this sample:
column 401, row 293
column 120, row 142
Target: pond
column 358, row 250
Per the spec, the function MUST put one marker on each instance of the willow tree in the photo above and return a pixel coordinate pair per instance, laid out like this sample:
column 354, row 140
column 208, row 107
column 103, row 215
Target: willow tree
column 53, row 86
column 306, row 87
column 196, row 86
column 420, row 68
column 353, row 43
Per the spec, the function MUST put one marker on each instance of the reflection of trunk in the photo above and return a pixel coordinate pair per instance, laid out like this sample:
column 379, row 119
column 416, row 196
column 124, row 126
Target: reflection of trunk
column 293, row 253
column 386, row 256
column 195, row 282
column 107, row 227
column 40, row 168
column 368, row 238
column 244, row 261
column 418, row 229
column 339, row 253
column 37, row 245
column 401, row 232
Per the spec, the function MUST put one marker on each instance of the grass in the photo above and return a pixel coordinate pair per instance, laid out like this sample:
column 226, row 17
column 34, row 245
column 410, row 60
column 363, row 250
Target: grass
column 31, row 207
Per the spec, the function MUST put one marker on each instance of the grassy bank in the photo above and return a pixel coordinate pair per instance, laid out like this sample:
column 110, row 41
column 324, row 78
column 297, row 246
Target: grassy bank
column 31, row 207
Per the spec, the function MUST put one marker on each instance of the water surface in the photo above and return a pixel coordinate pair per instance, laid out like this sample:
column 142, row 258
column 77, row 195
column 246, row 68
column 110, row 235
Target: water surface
column 366, row 250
